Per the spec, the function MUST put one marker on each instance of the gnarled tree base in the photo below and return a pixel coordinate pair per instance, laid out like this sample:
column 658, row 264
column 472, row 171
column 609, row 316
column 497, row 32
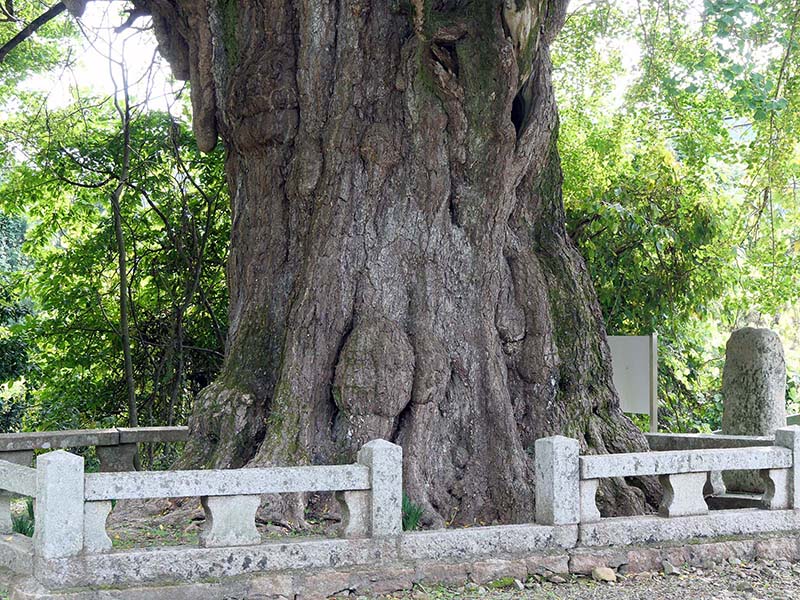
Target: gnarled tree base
column 399, row 265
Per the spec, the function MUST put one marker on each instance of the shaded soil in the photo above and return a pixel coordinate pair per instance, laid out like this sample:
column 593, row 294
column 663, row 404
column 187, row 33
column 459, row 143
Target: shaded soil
column 177, row 522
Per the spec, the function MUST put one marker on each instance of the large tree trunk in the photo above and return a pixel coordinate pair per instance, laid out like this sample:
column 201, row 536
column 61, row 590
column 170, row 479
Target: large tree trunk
column 399, row 265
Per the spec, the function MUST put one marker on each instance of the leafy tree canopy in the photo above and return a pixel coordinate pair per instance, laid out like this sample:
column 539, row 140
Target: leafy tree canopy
column 681, row 189
column 59, row 252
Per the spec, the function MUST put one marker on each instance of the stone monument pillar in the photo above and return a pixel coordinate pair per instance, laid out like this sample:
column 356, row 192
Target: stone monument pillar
column 754, row 391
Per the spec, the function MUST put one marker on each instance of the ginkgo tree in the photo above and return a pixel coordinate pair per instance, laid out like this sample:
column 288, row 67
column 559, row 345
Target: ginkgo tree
column 400, row 262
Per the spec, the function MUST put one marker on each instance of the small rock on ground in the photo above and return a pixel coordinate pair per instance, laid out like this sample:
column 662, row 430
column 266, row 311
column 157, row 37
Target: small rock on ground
column 604, row 574
column 669, row 568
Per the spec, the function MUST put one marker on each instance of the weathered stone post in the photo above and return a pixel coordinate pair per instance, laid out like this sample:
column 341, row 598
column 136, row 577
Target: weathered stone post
column 385, row 462
column 557, row 481
column 754, row 390
column 59, row 505
column 789, row 437
column 24, row 458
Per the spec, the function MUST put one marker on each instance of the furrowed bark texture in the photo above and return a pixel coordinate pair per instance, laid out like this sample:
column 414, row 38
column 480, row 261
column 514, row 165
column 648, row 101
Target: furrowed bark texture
column 399, row 265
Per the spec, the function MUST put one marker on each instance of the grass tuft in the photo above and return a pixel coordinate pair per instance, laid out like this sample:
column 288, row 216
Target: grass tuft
column 412, row 513
column 24, row 523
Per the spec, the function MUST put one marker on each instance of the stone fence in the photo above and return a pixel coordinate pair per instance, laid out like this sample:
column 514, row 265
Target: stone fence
column 72, row 557
column 716, row 484
column 72, row 506
column 115, row 447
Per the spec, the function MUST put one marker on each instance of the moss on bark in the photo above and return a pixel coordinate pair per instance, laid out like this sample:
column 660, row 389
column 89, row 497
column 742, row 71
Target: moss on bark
column 399, row 265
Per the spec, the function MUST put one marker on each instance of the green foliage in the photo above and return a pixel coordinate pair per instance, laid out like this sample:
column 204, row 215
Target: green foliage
column 14, row 363
column 680, row 189
column 176, row 222
column 25, row 522
column 412, row 513
column 13, row 405
column 45, row 51
column 503, row 583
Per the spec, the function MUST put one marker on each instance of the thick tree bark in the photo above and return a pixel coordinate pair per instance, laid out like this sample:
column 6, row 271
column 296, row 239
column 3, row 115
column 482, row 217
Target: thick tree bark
column 399, row 266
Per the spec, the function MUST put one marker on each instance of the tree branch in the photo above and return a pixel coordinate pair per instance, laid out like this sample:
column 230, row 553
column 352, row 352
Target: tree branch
column 133, row 14
column 30, row 29
column 8, row 11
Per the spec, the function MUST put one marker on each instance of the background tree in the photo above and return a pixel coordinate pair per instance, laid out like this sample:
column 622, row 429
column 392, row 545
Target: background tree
column 62, row 168
column 31, row 38
column 680, row 153
column 14, row 359
column 177, row 235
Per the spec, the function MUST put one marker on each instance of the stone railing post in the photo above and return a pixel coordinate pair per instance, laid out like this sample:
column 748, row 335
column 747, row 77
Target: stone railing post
column 715, row 484
column 59, row 505
column 117, row 458
column 95, row 536
column 683, row 494
column 385, row 462
column 589, row 512
column 777, row 495
column 789, row 437
column 355, row 506
column 557, row 481
column 230, row 521
column 24, row 458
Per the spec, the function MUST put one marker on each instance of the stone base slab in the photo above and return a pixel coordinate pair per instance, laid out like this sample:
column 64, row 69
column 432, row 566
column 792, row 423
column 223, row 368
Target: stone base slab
column 318, row 568
column 182, row 564
column 627, row 531
column 482, row 542
column 316, row 583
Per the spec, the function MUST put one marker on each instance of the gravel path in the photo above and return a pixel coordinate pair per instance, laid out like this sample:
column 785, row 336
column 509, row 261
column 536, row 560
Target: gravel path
column 761, row 580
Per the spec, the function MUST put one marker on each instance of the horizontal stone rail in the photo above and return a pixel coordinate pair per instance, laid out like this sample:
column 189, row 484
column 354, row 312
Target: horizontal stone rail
column 715, row 485
column 116, row 448
column 639, row 464
column 702, row 441
column 76, row 438
column 142, row 435
column 50, row 440
column 233, row 482
column 17, row 479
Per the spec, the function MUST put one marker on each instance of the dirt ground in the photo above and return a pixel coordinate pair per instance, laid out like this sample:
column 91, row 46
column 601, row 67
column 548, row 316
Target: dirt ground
column 760, row 580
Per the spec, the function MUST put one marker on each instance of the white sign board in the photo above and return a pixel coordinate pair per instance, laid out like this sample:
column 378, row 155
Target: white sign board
column 634, row 360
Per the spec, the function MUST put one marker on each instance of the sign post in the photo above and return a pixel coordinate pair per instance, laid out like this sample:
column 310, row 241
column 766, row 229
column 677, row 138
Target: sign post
column 634, row 360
